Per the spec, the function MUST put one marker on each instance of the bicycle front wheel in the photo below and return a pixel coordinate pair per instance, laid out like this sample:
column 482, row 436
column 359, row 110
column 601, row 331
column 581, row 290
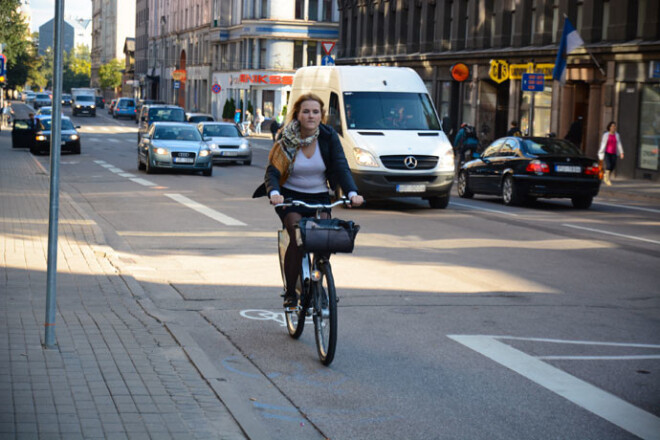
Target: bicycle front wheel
column 325, row 314
column 295, row 320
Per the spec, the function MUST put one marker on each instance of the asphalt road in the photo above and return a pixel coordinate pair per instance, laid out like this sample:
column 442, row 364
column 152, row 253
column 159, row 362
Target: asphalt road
column 478, row 321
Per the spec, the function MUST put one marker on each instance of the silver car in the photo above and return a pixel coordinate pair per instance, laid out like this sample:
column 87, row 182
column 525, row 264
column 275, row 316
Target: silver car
column 174, row 146
column 227, row 143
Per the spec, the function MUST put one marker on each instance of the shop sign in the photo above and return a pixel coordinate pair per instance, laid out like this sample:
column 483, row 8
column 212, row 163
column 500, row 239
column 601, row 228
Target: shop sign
column 286, row 80
column 179, row 75
column 516, row 70
column 460, row 72
column 499, row 71
column 532, row 82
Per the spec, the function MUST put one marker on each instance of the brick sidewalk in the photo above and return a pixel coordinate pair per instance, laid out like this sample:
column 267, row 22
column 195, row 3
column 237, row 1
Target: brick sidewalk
column 117, row 373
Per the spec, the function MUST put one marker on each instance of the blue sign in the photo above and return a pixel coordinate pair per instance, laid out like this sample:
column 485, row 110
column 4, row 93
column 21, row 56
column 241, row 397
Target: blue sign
column 533, row 82
column 655, row 69
column 216, row 88
column 177, row 84
column 327, row 60
column 2, row 65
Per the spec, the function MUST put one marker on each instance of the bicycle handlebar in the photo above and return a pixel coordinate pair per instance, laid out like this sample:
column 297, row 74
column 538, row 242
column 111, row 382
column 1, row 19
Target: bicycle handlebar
column 291, row 202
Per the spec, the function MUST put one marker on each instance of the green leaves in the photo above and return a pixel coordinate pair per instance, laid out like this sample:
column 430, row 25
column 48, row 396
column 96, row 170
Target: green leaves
column 110, row 74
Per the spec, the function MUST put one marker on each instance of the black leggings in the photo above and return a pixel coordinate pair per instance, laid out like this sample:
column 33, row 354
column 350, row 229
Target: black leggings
column 294, row 253
column 610, row 161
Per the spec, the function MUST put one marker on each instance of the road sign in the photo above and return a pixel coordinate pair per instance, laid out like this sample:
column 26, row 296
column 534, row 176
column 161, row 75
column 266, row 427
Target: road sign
column 177, row 84
column 179, row 75
column 327, row 60
column 533, row 82
column 3, row 61
column 327, row 46
column 216, row 88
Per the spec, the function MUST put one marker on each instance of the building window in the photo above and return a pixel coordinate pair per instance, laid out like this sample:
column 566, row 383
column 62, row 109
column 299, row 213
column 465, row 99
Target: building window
column 649, row 127
column 264, row 9
column 299, row 10
column 642, row 9
column 555, row 21
column 313, row 10
column 542, row 102
column 311, row 53
column 606, row 19
column 297, row 54
column 327, row 10
column 262, row 54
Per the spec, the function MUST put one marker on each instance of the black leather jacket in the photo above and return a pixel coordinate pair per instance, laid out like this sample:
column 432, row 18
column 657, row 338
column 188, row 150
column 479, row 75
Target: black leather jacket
column 337, row 171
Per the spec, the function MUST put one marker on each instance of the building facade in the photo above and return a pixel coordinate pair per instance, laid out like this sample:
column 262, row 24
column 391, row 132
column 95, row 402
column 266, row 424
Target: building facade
column 112, row 22
column 229, row 49
column 141, row 45
column 46, row 36
column 615, row 77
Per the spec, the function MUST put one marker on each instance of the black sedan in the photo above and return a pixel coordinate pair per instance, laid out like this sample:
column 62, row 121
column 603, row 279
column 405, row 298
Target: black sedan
column 69, row 135
column 523, row 169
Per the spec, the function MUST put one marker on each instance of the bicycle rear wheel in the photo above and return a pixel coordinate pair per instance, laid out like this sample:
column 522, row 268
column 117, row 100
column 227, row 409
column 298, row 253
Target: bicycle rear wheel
column 325, row 314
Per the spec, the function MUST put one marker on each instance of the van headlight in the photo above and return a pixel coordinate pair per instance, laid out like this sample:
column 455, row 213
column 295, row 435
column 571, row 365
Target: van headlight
column 364, row 158
column 448, row 159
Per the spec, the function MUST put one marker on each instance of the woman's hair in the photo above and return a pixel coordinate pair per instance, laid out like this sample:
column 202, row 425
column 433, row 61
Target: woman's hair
column 610, row 124
column 306, row 97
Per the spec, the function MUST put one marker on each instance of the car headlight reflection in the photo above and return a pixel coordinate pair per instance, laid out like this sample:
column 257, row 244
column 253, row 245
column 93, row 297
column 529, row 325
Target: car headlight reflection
column 364, row 158
column 161, row 150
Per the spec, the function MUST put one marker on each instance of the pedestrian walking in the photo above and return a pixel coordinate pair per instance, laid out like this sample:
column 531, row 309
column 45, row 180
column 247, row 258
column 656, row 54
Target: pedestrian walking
column 610, row 148
column 258, row 120
column 574, row 134
column 7, row 114
column 274, row 126
column 247, row 121
column 514, row 130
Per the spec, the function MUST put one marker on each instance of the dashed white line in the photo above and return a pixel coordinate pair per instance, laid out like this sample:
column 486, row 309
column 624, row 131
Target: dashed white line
column 600, row 358
column 605, row 405
column 600, row 231
column 126, row 174
column 143, row 182
column 202, row 209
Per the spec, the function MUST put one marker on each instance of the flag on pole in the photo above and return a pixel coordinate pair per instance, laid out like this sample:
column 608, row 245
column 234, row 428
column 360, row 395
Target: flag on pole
column 570, row 40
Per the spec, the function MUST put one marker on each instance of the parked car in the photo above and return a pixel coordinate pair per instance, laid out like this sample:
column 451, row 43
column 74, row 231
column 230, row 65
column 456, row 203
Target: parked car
column 141, row 102
column 45, row 111
column 158, row 112
column 124, row 107
column 100, row 101
column 523, row 169
column 175, row 146
column 66, row 99
column 199, row 117
column 111, row 107
column 226, row 142
column 42, row 99
column 30, row 97
column 40, row 142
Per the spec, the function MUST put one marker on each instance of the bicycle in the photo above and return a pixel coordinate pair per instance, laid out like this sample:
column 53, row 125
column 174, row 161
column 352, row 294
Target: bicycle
column 315, row 290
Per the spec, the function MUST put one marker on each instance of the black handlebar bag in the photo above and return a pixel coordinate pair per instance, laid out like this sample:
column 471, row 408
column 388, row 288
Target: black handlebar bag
column 326, row 235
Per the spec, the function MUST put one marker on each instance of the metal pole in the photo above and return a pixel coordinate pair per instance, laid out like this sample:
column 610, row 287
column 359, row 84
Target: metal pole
column 55, row 147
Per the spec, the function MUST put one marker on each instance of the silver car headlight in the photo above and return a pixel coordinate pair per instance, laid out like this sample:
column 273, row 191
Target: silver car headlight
column 364, row 158
column 213, row 147
column 243, row 145
column 204, row 153
column 161, row 150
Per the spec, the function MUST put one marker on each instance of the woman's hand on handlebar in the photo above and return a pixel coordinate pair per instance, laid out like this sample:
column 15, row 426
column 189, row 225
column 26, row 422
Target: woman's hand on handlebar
column 356, row 201
column 276, row 199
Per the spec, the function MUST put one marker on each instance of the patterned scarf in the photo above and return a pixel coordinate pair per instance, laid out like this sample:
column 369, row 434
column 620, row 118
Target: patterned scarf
column 291, row 141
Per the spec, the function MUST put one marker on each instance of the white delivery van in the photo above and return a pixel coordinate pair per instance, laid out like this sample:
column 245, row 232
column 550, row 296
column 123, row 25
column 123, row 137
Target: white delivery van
column 388, row 127
column 83, row 101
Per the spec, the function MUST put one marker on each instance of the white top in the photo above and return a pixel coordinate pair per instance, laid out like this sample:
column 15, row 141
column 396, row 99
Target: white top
column 603, row 145
column 308, row 174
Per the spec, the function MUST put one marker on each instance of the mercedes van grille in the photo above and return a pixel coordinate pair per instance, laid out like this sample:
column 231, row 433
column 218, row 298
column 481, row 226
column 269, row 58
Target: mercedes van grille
column 398, row 162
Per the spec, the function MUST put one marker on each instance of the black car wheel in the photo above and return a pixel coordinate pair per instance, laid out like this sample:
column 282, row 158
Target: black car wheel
column 463, row 189
column 510, row 193
column 583, row 202
column 148, row 167
column 209, row 172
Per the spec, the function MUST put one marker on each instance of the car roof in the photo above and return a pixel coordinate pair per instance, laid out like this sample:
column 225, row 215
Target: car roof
column 217, row 123
column 162, row 106
column 171, row 123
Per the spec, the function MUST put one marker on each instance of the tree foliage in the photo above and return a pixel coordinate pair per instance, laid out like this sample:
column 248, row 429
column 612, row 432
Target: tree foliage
column 77, row 68
column 14, row 35
column 110, row 74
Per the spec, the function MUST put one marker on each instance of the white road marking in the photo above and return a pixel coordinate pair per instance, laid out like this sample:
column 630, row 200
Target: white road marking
column 463, row 205
column 113, row 140
column 608, row 406
column 100, row 162
column 126, row 175
column 599, row 358
column 115, row 170
column 599, row 231
column 575, row 342
column 638, row 208
column 107, row 165
column 143, row 182
column 202, row 209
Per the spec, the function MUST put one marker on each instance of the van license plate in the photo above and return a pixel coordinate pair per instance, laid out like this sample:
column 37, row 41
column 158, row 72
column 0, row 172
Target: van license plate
column 229, row 153
column 411, row 188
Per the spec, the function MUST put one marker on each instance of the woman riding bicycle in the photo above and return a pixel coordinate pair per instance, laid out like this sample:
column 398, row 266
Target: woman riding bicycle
column 304, row 162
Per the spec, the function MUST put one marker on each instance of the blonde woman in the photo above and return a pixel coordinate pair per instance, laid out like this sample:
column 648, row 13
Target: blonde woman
column 610, row 148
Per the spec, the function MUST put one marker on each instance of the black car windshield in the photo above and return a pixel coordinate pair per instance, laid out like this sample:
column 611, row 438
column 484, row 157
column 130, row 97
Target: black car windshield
column 550, row 147
column 85, row 98
column 389, row 111
column 177, row 134
column 221, row 131
column 167, row 114
column 44, row 124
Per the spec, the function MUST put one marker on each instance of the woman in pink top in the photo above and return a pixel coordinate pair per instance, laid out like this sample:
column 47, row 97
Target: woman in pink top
column 610, row 148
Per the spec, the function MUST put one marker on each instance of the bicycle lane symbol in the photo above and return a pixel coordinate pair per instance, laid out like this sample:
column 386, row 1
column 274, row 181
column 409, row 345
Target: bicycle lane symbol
column 267, row 315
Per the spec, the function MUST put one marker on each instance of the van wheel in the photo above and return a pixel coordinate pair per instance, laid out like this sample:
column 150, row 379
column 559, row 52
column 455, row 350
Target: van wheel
column 439, row 202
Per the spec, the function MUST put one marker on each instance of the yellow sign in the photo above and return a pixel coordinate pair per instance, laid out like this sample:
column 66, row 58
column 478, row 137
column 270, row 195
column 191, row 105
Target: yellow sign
column 516, row 70
column 499, row 71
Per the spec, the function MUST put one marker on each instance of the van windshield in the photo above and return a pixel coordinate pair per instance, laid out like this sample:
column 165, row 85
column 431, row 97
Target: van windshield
column 389, row 111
